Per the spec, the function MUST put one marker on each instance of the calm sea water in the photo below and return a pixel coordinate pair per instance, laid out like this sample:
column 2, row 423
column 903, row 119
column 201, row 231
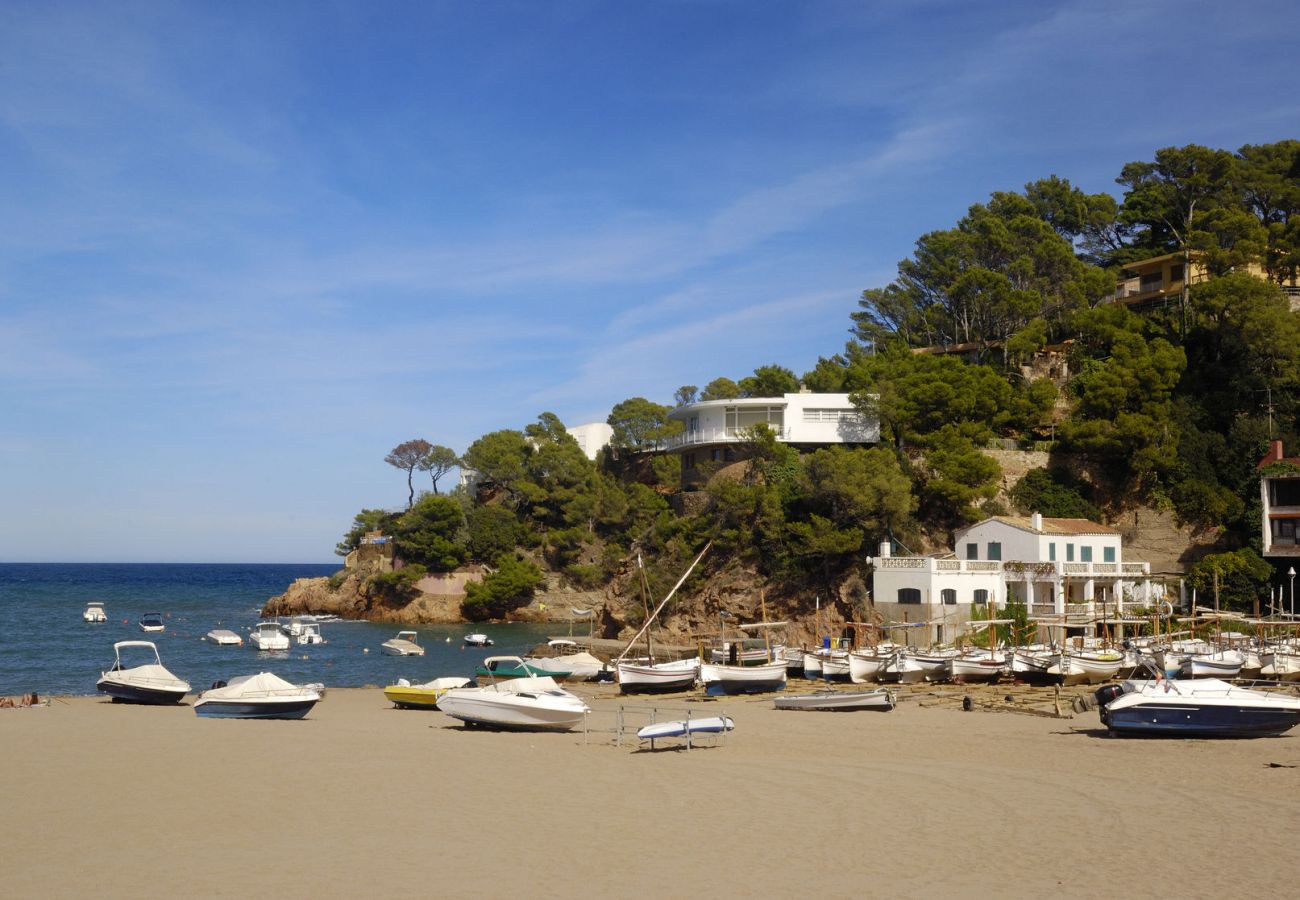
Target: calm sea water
column 46, row 647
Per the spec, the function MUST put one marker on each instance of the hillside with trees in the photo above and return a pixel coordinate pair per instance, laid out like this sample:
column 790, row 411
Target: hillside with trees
column 1002, row 331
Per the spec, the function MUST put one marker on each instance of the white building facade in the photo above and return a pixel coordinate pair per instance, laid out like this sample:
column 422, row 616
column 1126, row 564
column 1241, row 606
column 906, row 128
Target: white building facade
column 713, row 429
column 1070, row 571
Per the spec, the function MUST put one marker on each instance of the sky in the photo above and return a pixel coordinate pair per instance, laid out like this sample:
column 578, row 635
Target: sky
column 247, row 248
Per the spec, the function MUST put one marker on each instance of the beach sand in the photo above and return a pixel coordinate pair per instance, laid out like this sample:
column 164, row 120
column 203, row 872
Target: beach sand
column 362, row 799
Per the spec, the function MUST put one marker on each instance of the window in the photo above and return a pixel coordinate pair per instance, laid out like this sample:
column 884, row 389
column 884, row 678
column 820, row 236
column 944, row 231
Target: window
column 1284, row 491
column 1107, row 554
column 1069, row 552
column 995, row 550
column 1051, row 552
column 909, row 595
column 689, row 460
column 1176, row 272
column 830, row 416
column 981, row 597
column 949, row 596
column 740, row 417
column 972, row 551
column 1085, row 554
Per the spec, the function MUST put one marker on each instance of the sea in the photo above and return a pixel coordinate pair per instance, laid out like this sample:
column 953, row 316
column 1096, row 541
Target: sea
column 46, row 647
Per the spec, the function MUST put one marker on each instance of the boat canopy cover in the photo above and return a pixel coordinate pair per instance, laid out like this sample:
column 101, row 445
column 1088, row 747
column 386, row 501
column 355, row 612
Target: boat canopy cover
column 263, row 684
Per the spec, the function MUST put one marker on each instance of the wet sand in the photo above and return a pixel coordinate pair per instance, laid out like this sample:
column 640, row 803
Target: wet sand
column 362, row 799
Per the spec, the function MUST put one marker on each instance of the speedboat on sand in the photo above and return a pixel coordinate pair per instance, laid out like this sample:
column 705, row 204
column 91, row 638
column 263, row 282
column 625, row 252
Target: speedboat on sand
column 531, row 703
column 144, row 683
column 421, row 696
column 261, row 696
column 1204, row 707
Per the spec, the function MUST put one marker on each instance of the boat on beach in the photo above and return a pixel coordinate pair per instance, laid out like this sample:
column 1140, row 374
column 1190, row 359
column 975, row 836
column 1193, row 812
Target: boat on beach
column 405, row 695
column 657, row 678
column 683, row 727
column 404, row 644
column 530, row 703
column 742, row 679
column 94, row 612
column 1195, row 708
column 264, row 695
column 501, row 667
column 838, row 701
column 148, row 682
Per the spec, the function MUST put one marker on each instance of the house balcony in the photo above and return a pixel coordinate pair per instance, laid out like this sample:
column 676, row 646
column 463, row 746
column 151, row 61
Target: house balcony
column 703, row 436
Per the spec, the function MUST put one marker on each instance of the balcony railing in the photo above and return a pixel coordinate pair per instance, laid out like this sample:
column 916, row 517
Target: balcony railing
column 1016, row 570
column 716, row 436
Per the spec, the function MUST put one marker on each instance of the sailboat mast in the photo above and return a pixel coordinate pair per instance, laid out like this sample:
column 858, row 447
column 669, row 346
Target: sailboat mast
column 636, row 637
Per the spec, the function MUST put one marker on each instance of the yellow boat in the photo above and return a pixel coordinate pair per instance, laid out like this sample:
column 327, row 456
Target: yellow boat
column 421, row 696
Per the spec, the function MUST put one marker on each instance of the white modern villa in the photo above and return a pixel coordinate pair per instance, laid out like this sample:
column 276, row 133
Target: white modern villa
column 1279, row 492
column 1067, row 571
column 713, row 429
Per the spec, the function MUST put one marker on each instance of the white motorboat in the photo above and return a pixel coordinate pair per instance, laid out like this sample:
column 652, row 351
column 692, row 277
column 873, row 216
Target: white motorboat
column 294, row 626
column 422, row 696
column 659, row 678
column 261, row 696
column 94, row 612
column 268, row 636
column 405, row 644
column 839, row 701
column 152, row 622
column 223, row 637
column 1195, row 708
column 147, row 682
column 477, row 640
column 531, row 703
column 742, row 679
column 309, row 633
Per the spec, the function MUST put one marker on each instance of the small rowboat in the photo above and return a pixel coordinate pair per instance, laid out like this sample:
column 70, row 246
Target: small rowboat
column 839, row 701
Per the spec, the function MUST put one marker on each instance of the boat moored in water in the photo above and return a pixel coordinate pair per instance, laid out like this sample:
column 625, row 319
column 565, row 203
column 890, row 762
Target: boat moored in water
column 152, row 622
column 269, row 637
column 405, row 644
column 223, row 637
column 477, row 640
column 94, row 612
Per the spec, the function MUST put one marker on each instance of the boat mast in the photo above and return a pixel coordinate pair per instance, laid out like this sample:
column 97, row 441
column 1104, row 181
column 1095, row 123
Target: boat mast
column 636, row 637
column 645, row 606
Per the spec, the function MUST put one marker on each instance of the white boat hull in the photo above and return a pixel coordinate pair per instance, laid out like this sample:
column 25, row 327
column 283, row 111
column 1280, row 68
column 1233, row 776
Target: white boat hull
column 839, row 701
column 514, row 710
column 658, row 679
column 742, row 679
column 864, row 668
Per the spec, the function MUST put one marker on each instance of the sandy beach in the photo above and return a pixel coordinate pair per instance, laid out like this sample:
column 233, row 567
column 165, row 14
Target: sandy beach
column 363, row 799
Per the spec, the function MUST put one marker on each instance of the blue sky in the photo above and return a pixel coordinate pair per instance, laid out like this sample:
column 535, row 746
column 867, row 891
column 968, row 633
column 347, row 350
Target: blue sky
column 247, row 247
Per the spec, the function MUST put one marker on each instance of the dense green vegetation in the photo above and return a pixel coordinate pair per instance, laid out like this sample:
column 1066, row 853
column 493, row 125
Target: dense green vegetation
column 1168, row 404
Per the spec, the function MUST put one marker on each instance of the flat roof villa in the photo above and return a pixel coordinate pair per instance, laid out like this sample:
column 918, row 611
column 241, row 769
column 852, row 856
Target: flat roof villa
column 1067, row 571
column 1279, row 489
column 712, row 429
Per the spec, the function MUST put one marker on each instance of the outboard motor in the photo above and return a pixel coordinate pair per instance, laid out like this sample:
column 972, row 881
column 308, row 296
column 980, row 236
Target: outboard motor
column 1107, row 693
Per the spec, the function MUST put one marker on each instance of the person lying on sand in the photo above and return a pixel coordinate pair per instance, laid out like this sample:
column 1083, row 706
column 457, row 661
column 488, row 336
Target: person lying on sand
column 25, row 700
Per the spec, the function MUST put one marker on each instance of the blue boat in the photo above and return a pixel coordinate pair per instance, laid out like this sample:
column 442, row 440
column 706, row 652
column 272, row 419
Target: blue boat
column 1207, row 708
column 147, row 682
column 261, row 696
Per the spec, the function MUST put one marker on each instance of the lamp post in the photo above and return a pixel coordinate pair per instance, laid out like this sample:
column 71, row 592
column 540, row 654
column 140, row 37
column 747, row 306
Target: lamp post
column 1291, row 574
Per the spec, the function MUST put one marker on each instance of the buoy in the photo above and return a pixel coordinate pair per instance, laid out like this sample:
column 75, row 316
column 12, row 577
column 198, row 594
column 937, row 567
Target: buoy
column 449, row 639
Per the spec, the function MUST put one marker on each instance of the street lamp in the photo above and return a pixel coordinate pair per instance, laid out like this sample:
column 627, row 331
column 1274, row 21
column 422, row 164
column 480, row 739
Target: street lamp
column 1291, row 573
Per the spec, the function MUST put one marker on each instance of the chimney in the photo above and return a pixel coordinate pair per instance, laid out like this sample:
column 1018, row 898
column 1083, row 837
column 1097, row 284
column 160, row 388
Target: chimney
column 1037, row 521
column 885, row 549
column 1273, row 455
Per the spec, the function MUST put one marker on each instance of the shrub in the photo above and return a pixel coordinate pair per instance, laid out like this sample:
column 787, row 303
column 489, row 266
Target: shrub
column 511, row 586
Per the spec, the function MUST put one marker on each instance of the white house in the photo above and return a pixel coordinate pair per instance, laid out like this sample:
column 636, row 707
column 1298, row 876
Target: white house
column 1279, row 492
column 1066, row 570
column 713, row 428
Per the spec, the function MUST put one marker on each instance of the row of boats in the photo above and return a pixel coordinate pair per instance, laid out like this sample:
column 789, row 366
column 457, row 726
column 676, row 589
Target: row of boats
column 142, row 678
